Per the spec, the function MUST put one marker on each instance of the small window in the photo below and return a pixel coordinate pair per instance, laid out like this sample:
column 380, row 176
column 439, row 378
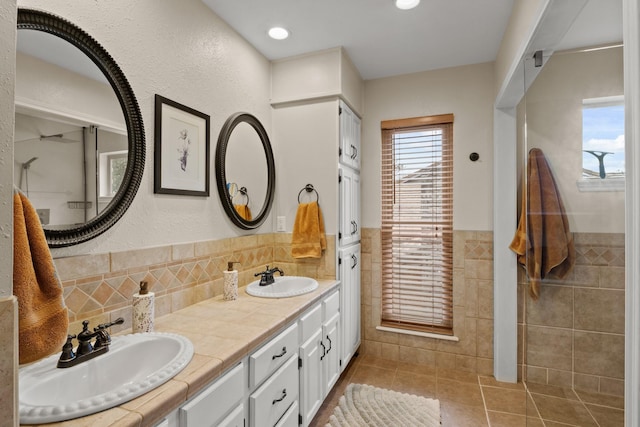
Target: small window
column 417, row 224
column 113, row 165
column 603, row 138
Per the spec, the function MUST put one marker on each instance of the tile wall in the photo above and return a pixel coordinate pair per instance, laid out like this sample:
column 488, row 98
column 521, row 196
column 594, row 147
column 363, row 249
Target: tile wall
column 8, row 359
column 573, row 336
column 100, row 287
column 472, row 311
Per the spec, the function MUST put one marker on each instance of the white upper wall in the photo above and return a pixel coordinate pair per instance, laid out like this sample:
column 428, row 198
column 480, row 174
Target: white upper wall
column 467, row 92
column 524, row 16
column 317, row 75
column 184, row 52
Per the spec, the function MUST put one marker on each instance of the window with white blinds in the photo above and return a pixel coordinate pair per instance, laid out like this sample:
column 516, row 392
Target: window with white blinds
column 417, row 224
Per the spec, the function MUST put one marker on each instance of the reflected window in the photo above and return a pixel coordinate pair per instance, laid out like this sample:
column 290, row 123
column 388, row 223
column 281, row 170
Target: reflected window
column 113, row 165
column 603, row 138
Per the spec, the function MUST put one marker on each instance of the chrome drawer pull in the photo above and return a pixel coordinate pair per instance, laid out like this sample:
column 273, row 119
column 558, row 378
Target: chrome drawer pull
column 284, row 394
column 284, row 351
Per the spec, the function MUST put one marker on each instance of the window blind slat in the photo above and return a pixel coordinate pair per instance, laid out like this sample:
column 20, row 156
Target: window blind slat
column 417, row 224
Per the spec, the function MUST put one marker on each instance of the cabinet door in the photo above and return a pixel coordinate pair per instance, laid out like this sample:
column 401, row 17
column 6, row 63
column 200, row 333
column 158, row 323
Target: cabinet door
column 349, row 137
column 349, row 183
column 350, row 307
column 331, row 359
column 311, row 387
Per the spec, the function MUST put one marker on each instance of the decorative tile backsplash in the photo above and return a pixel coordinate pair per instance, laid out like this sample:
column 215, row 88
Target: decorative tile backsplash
column 100, row 287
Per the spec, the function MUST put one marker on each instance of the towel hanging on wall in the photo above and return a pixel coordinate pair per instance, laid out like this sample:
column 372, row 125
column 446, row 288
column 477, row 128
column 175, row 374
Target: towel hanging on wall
column 42, row 316
column 543, row 241
column 243, row 210
column 309, row 238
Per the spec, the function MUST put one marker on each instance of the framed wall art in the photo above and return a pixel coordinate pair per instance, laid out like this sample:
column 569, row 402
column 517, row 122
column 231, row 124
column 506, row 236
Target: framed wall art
column 181, row 155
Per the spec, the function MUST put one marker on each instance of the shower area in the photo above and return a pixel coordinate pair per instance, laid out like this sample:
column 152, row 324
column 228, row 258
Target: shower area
column 69, row 171
column 571, row 343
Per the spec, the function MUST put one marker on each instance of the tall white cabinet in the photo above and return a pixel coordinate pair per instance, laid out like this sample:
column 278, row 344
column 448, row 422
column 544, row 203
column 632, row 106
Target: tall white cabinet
column 315, row 99
column 348, row 239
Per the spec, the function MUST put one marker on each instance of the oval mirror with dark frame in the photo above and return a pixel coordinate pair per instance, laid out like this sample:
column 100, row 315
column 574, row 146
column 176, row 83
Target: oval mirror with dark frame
column 128, row 174
column 245, row 179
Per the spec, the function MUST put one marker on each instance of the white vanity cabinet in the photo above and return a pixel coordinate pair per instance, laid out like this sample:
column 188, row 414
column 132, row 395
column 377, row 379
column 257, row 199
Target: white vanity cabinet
column 319, row 355
column 349, row 233
column 271, row 400
column 349, row 269
column 349, row 221
column 282, row 383
column 349, row 150
column 273, row 378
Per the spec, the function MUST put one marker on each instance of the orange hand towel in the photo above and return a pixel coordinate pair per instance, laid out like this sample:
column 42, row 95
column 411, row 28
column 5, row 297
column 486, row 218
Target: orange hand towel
column 309, row 238
column 42, row 316
column 543, row 241
column 244, row 212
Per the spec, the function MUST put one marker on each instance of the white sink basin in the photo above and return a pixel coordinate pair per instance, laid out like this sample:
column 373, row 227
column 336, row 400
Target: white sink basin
column 285, row 286
column 133, row 365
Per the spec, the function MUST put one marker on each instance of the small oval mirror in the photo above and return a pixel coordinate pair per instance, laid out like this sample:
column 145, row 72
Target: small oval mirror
column 245, row 178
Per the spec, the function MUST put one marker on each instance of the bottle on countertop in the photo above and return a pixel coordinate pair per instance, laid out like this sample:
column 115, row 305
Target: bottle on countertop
column 143, row 309
column 230, row 282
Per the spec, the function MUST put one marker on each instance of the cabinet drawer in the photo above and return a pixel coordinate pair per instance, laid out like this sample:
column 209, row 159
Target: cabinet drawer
column 235, row 418
column 208, row 407
column 271, row 400
column 331, row 305
column 290, row 418
column 265, row 361
column 310, row 322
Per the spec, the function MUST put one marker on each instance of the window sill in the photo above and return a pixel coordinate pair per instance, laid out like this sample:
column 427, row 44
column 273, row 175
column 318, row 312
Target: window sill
column 612, row 184
column 418, row 333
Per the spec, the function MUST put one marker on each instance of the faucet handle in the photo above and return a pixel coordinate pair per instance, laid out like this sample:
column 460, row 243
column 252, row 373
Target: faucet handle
column 118, row 321
column 262, row 272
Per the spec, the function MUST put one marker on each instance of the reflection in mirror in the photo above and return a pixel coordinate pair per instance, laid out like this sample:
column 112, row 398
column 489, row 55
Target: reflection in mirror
column 65, row 99
column 247, row 174
column 245, row 171
column 79, row 137
column 94, row 163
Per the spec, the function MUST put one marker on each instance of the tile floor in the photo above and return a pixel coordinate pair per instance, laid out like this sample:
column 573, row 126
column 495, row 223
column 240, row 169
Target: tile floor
column 472, row 400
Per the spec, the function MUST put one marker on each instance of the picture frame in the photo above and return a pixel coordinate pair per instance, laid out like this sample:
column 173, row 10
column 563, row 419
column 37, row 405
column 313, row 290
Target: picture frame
column 181, row 150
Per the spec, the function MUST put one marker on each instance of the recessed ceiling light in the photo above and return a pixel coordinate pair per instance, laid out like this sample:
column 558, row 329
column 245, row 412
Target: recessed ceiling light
column 278, row 33
column 407, row 4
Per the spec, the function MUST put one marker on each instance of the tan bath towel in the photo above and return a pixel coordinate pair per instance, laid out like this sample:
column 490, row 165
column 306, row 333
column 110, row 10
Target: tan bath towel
column 309, row 239
column 42, row 316
column 243, row 211
column 543, row 241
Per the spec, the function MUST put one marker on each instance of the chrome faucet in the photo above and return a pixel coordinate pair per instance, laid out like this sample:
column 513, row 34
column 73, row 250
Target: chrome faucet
column 266, row 277
column 87, row 350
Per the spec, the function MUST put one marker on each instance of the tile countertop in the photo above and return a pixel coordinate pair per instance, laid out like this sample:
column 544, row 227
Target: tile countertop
column 222, row 333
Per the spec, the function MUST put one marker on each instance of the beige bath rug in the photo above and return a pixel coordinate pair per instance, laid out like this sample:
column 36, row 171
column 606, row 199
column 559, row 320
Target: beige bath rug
column 368, row 406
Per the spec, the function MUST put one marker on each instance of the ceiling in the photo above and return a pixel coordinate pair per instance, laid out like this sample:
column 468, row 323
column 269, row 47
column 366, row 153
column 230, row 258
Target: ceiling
column 383, row 41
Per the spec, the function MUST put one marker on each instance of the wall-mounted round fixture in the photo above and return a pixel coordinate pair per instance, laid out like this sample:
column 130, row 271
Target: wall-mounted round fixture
column 278, row 33
column 407, row 4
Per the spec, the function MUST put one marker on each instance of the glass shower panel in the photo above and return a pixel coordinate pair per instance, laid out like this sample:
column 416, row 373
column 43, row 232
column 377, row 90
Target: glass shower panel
column 571, row 286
